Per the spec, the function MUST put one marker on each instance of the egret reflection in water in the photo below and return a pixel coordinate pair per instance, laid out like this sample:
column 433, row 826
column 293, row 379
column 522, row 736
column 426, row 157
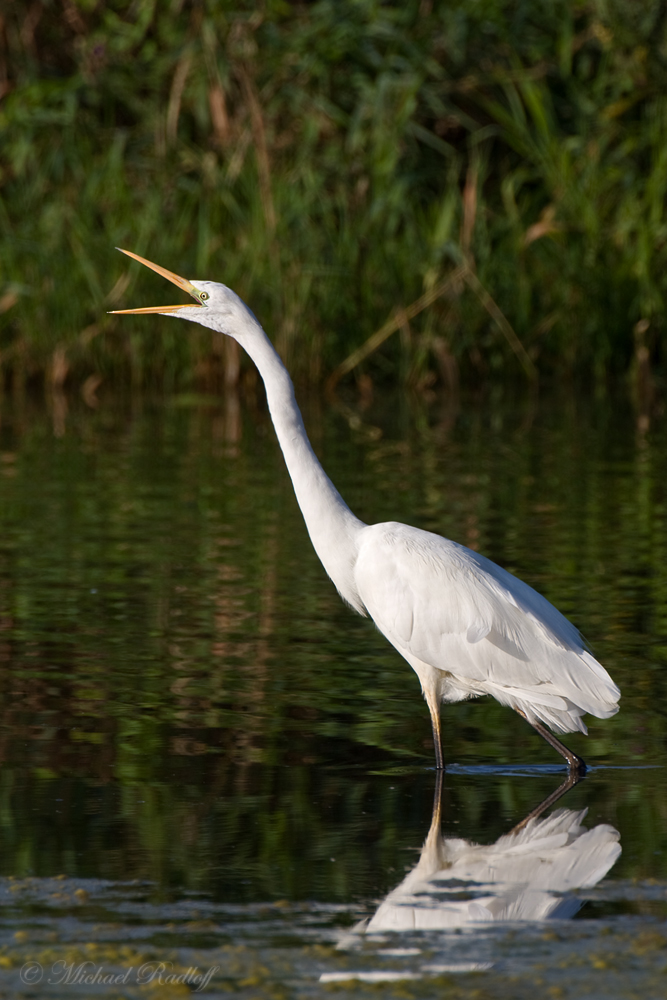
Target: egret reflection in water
column 529, row 874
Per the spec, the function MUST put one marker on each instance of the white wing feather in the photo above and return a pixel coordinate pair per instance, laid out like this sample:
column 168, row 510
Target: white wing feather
column 445, row 607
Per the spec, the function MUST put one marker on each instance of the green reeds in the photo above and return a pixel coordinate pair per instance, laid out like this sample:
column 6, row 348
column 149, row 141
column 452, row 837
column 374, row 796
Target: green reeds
column 335, row 163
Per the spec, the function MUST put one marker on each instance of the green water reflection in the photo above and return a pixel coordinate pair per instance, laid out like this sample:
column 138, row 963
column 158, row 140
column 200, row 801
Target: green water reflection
column 186, row 700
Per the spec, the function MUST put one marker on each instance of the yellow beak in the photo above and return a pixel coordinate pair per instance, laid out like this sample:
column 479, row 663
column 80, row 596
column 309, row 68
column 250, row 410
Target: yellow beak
column 170, row 276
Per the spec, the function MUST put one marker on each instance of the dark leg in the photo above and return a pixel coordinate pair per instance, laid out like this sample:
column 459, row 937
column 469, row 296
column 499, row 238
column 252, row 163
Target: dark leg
column 576, row 765
column 572, row 779
column 437, row 799
column 439, row 762
column 434, row 835
column 434, row 709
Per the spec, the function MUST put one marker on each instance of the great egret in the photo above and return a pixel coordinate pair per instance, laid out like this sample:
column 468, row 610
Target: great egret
column 466, row 627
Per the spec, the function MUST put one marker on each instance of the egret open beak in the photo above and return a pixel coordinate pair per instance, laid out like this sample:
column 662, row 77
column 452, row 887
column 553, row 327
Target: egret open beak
column 170, row 276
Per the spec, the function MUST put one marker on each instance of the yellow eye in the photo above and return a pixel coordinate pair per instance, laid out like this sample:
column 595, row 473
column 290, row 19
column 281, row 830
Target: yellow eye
column 203, row 296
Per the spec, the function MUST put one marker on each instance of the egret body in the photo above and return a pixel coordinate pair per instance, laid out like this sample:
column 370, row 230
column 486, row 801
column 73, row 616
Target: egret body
column 465, row 626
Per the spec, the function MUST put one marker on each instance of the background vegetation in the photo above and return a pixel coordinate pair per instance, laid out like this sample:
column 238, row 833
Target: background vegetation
column 500, row 162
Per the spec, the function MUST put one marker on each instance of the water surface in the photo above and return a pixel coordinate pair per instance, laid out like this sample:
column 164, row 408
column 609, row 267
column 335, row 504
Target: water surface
column 208, row 760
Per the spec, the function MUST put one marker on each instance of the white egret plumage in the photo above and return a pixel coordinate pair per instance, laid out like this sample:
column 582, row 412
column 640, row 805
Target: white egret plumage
column 465, row 626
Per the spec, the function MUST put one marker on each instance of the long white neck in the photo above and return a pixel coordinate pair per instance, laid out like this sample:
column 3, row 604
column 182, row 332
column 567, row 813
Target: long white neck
column 332, row 526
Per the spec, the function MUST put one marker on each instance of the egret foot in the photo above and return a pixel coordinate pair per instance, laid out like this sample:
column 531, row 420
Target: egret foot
column 575, row 765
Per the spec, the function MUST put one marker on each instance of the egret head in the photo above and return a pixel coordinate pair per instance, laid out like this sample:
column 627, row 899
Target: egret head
column 215, row 305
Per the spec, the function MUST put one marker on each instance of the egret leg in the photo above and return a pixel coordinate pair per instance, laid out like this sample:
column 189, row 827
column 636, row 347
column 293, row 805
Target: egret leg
column 434, row 835
column 437, row 798
column 573, row 778
column 436, row 821
column 576, row 765
column 434, row 708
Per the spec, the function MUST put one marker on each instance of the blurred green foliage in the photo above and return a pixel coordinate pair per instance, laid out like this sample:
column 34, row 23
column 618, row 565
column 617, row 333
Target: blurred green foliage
column 332, row 161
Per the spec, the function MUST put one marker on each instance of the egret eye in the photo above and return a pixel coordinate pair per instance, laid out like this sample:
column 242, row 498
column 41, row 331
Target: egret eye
column 203, row 296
